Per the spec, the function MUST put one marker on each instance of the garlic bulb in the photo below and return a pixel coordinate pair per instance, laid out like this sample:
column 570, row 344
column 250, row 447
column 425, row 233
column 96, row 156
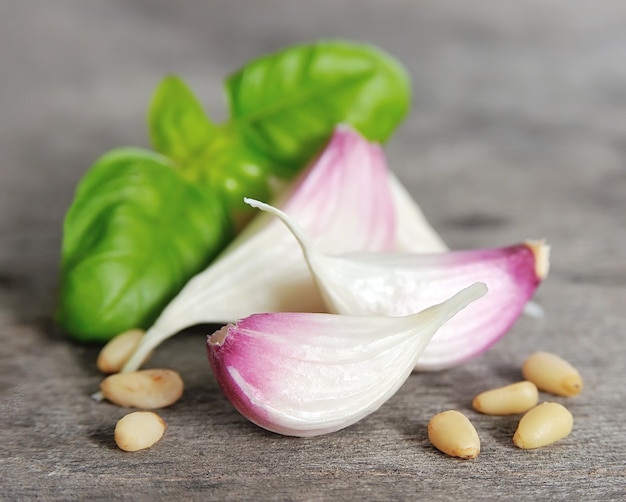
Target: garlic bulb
column 397, row 284
column 306, row 374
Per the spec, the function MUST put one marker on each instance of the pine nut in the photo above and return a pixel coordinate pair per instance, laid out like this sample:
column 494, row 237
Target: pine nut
column 552, row 374
column 147, row 389
column 508, row 400
column 116, row 352
column 452, row 433
column 543, row 425
column 139, row 430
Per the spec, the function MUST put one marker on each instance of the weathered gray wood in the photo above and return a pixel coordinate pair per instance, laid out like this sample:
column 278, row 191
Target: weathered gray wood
column 518, row 130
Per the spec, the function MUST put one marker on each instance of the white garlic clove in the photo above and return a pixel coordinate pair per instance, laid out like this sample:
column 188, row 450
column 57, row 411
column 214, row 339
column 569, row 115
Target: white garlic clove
column 397, row 284
column 304, row 374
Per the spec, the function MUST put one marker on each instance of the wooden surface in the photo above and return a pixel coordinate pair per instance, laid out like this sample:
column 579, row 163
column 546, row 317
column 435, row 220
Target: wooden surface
column 518, row 130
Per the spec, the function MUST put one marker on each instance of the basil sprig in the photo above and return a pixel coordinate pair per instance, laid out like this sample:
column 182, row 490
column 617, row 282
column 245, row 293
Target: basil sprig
column 143, row 223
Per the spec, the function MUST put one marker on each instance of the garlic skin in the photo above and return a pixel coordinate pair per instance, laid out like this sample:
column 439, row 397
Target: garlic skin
column 343, row 202
column 398, row 284
column 306, row 374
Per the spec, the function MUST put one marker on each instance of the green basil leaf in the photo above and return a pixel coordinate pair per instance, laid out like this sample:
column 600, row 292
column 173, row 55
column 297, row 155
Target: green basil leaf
column 234, row 171
column 178, row 126
column 135, row 233
column 286, row 105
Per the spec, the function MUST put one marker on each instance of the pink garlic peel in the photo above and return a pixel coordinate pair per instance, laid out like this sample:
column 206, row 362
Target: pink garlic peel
column 343, row 202
column 306, row 374
column 397, row 284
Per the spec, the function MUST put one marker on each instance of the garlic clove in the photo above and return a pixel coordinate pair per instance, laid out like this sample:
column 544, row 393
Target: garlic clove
column 341, row 200
column 397, row 284
column 306, row 374
column 513, row 274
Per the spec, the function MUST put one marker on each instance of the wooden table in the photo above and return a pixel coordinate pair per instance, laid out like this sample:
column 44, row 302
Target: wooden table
column 518, row 129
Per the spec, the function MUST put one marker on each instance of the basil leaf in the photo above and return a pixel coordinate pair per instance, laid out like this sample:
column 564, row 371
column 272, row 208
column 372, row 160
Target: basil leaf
column 178, row 126
column 205, row 154
column 286, row 105
column 236, row 172
column 135, row 233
